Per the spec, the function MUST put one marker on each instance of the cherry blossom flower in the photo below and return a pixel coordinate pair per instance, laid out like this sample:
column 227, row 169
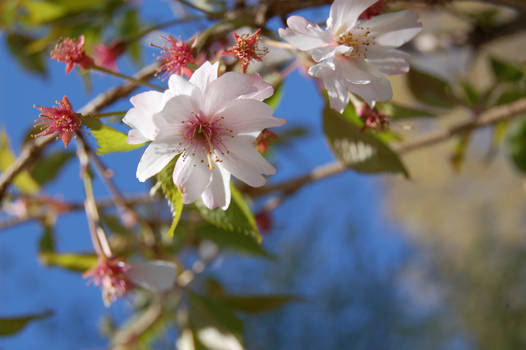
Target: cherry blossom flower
column 106, row 56
column 374, row 10
column 354, row 55
column 175, row 57
column 71, row 52
column 116, row 278
column 211, row 122
column 247, row 49
column 61, row 120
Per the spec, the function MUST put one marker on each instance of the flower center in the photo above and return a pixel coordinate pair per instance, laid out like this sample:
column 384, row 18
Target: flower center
column 359, row 38
column 205, row 135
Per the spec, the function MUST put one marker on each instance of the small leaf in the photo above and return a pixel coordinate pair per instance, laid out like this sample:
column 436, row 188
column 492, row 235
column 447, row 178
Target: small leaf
column 237, row 217
column 274, row 100
column 48, row 167
column 41, row 12
column 429, row 89
column 231, row 239
column 398, row 112
column 516, row 145
column 19, row 45
column 13, row 325
column 172, row 194
column 361, row 151
column 47, row 241
column 108, row 139
column 471, row 95
column 74, row 262
column 458, row 156
column 506, row 71
column 23, row 181
column 256, row 303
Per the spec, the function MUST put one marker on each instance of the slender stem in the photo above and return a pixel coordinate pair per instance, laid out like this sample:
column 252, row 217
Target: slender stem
column 127, row 77
column 163, row 25
column 98, row 236
column 109, row 114
column 278, row 44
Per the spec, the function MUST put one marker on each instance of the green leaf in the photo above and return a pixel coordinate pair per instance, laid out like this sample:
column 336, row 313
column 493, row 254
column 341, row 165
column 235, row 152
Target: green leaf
column 23, row 180
column 12, row 325
column 471, row 95
column 256, row 303
column 18, row 45
column 274, row 100
column 359, row 150
column 48, row 167
column 516, row 145
column 237, row 217
column 40, row 12
column 458, row 156
column 47, row 241
column 398, row 112
column 506, row 71
column 108, row 139
column 231, row 239
column 172, row 194
column 73, row 262
column 429, row 89
column 129, row 27
column 510, row 94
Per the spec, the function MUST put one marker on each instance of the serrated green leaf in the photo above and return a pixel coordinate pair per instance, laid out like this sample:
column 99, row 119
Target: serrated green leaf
column 516, row 145
column 172, row 194
column 73, row 262
column 237, row 217
column 429, row 89
column 48, row 167
column 12, row 325
column 23, row 181
column 256, row 303
column 358, row 150
column 108, row 139
column 231, row 239
column 18, row 45
column 506, row 71
column 274, row 100
column 398, row 112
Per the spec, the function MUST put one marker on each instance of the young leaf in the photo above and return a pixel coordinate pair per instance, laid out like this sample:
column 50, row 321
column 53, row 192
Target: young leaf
column 47, row 168
column 429, row 89
column 172, row 194
column 231, row 239
column 506, row 71
column 108, row 139
column 516, row 143
column 358, row 150
column 237, row 217
column 47, row 241
column 12, row 325
column 256, row 303
column 74, row 262
column 19, row 45
column 23, row 181
column 274, row 100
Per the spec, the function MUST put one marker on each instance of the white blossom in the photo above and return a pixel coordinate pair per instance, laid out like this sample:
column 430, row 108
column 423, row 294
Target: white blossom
column 354, row 55
column 211, row 122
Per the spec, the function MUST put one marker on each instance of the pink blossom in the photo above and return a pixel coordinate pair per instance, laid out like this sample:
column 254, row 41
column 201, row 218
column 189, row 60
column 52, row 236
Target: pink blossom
column 61, row 120
column 175, row 57
column 71, row 52
column 106, row 56
column 247, row 49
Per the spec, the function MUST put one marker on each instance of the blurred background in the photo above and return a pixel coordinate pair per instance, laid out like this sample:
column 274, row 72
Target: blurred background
column 437, row 261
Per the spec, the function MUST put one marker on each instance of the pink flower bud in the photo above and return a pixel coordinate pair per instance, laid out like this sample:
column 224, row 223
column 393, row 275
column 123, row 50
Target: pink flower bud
column 61, row 120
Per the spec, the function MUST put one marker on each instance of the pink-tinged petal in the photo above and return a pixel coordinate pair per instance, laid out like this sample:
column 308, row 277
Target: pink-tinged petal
column 244, row 116
column 204, row 75
column 191, row 175
column 355, row 70
column 180, row 86
column 141, row 120
column 154, row 159
column 338, row 94
column 135, row 137
column 394, row 29
column 304, row 34
column 153, row 275
column 378, row 89
column 263, row 90
column 176, row 111
column 151, row 101
column 244, row 162
column 322, row 53
column 217, row 194
column 388, row 61
column 344, row 14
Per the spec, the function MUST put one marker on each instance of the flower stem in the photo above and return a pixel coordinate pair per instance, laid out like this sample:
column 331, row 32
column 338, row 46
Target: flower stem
column 108, row 114
column 127, row 77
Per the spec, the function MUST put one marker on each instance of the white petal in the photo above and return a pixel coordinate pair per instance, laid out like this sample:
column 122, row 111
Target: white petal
column 303, row 34
column 154, row 159
column 244, row 162
column 177, row 109
column 154, row 275
column 355, row 70
column 151, row 101
column 227, row 88
column 377, row 90
column 344, row 14
column 192, row 175
column 244, row 116
column 325, row 52
column 204, row 75
column 338, row 94
column 142, row 120
column 387, row 60
column 180, row 86
column 217, row 194
column 394, row 29
column 135, row 137
column 262, row 91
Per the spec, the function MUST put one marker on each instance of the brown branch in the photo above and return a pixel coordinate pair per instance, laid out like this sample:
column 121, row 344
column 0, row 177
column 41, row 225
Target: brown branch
column 490, row 117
